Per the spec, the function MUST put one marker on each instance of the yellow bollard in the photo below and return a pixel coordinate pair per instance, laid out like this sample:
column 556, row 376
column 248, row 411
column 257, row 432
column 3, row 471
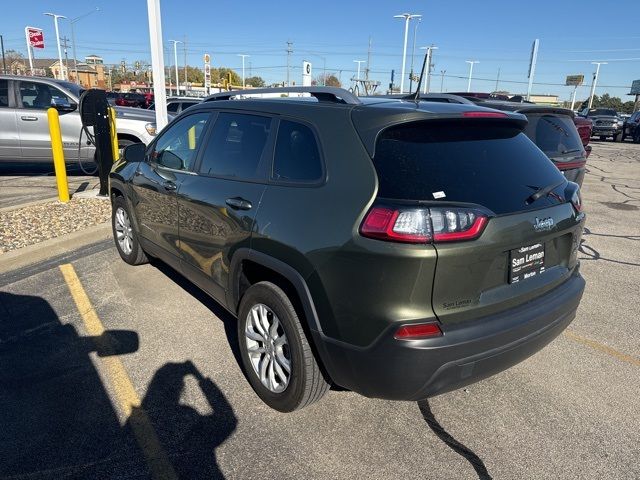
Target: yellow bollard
column 58, row 155
column 114, row 135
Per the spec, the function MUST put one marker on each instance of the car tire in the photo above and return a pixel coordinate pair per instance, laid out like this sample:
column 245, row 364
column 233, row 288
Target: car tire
column 267, row 353
column 603, row 138
column 617, row 138
column 124, row 235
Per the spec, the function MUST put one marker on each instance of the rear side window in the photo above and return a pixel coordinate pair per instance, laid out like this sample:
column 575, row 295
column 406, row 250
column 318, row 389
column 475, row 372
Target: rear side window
column 554, row 135
column 236, row 145
column 471, row 161
column 297, row 157
column 172, row 107
column 4, row 93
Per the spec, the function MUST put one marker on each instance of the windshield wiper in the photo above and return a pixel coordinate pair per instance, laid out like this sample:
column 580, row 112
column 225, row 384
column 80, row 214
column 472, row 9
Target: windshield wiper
column 541, row 192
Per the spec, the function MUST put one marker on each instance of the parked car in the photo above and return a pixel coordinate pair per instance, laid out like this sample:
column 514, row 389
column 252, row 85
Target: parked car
column 585, row 130
column 24, row 128
column 176, row 105
column 443, row 251
column 631, row 128
column 606, row 123
column 148, row 99
column 112, row 96
column 132, row 100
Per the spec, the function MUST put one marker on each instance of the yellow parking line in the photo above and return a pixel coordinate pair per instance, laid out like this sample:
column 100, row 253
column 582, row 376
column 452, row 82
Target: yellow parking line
column 127, row 397
column 603, row 348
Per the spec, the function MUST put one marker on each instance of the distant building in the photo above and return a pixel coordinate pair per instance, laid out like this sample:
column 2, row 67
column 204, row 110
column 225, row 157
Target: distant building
column 90, row 73
column 545, row 99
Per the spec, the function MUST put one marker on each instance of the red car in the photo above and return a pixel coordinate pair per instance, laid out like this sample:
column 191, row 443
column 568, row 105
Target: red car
column 132, row 100
column 585, row 127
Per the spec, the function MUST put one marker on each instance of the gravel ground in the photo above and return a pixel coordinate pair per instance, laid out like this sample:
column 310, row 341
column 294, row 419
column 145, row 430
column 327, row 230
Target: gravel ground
column 37, row 223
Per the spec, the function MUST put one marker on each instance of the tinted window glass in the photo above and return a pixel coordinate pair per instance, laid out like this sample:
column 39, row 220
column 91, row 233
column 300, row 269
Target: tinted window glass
column 172, row 107
column 40, row 95
column 236, row 145
column 177, row 146
column 554, row 135
column 297, row 157
column 494, row 166
column 4, row 93
column 603, row 112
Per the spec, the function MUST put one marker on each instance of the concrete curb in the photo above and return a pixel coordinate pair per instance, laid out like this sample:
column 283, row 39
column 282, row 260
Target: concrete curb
column 39, row 252
column 28, row 204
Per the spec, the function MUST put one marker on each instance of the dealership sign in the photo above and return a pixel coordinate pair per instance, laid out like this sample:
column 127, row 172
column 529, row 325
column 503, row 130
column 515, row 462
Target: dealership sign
column 35, row 37
column 574, row 80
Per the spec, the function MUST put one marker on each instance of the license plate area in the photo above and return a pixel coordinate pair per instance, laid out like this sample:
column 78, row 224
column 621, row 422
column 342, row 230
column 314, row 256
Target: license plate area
column 526, row 262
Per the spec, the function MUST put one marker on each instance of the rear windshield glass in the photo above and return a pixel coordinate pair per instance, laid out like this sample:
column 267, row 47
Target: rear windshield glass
column 601, row 112
column 473, row 162
column 554, row 135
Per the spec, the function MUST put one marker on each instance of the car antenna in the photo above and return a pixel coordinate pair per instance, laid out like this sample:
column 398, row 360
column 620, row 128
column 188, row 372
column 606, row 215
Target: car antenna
column 416, row 96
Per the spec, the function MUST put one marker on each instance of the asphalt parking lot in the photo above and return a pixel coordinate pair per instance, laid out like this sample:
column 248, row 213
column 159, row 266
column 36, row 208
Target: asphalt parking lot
column 163, row 395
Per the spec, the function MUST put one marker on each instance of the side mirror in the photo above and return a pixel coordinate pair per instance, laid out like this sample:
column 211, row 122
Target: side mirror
column 134, row 153
column 63, row 105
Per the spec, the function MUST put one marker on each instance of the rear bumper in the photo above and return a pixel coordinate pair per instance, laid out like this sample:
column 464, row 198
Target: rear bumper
column 575, row 175
column 466, row 353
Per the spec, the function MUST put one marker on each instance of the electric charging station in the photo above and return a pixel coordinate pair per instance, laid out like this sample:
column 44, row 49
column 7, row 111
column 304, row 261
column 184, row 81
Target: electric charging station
column 94, row 112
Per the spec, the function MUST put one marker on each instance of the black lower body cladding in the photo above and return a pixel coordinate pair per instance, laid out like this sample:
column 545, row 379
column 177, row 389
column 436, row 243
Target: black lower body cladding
column 413, row 370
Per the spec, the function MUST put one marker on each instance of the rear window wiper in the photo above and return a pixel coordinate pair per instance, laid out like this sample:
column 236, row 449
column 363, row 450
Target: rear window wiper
column 575, row 150
column 541, row 192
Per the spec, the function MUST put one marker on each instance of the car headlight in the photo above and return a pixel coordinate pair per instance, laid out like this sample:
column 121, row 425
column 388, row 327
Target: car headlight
column 151, row 128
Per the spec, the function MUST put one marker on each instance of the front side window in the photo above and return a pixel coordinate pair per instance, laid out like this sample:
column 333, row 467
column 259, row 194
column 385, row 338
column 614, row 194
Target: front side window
column 176, row 148
column 172, row 107
column 236, row 145
column 297, row 156
column 41, row 96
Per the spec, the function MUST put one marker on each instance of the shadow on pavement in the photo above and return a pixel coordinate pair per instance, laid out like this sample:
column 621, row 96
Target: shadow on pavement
column 475, row 461
column 58, row 421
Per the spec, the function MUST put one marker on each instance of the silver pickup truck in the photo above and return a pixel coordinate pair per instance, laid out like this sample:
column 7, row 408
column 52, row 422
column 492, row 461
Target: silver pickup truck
column 24, row 129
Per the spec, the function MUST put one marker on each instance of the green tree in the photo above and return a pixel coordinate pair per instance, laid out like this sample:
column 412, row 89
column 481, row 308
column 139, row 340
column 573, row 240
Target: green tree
column 254, row 81
column 328, row 79
column 218, row 74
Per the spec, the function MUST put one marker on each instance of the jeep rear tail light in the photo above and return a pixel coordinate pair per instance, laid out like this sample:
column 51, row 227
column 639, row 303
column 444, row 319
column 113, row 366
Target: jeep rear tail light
column 423, row 225
column 418, row 331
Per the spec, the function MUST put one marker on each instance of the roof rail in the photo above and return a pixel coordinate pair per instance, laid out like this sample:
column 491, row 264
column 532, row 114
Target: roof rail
column 323, row 94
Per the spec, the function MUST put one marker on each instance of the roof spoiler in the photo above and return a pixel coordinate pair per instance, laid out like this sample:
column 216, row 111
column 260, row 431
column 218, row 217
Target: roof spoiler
column 322, row 94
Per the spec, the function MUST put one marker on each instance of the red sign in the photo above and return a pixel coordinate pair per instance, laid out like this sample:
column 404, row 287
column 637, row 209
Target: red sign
column 36, row 37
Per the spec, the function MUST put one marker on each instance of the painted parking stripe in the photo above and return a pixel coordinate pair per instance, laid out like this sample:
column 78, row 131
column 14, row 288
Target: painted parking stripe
column 602, row 348
column 128, row 399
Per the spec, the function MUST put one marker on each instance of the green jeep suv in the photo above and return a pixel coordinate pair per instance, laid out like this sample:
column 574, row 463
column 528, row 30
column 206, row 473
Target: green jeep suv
column 395, row 248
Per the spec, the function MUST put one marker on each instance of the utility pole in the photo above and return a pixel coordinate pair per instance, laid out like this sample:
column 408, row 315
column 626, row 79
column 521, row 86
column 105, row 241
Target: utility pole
column 497, row 79
column 532, row 66
column 243, row 77
column 595, row 81
column 66, row 56
column 413, row 54
column 4, row 62
column 289, row 52
column 427, row 66
column 407, row 17
column 175, row 59
column 366, row 71
column 442, row 72
column 72, row 22
column 471, row 63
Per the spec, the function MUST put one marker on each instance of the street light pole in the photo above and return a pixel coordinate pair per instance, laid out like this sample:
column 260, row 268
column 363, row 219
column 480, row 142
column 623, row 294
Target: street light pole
column 72, row 22
column 470, row 62
column 427, row 66
column 407, row 17
column 595, row 81
column 55, row 22
column 358, row 62
column 243, row 57
column 442, row 72
column 175, row 58
column 157, row 62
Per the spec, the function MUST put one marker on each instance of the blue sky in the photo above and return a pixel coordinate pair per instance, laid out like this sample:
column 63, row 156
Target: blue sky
column 497, row 33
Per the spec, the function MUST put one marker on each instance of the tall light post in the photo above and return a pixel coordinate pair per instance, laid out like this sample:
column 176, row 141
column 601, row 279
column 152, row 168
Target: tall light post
column 595, row 81
column 470, row 62
column 442, row 72
column 243, row 57
column 358, row 62
column 175, row 58
column 413, row 54
column 157, row 62
column 55, row 22
column 72, row 22
column 407, row 17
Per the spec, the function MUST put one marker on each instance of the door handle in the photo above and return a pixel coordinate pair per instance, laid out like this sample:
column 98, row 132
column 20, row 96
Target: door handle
column 27, row 118
column 169, row 185
column 238, row 203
